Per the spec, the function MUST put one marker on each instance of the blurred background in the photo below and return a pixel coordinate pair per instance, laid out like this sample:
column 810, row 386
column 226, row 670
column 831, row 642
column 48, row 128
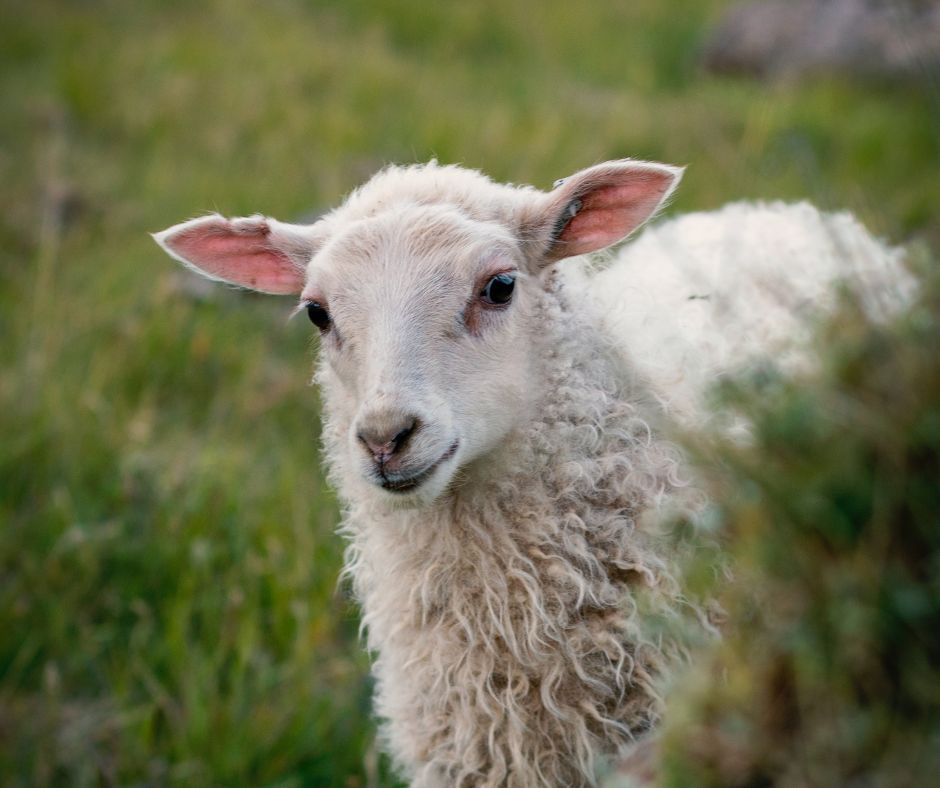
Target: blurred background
column 169, row 608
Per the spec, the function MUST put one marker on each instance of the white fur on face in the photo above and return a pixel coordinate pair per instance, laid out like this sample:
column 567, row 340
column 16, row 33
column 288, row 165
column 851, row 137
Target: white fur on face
column 410, row 338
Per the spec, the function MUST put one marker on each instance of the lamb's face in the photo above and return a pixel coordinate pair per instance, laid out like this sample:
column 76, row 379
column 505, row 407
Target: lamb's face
column 424, row 315
column 423, row 284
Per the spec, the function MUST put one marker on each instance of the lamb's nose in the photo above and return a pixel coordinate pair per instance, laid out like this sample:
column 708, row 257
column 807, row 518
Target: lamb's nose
column 385, row 442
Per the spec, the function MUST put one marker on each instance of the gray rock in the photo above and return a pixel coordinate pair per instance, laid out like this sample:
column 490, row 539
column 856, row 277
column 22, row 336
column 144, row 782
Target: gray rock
column 880, row 39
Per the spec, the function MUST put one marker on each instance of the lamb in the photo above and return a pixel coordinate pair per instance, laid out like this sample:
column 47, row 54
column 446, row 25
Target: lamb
column 496, row 451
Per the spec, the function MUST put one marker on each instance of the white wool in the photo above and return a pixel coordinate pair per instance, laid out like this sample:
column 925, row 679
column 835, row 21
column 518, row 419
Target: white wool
column 708, row 294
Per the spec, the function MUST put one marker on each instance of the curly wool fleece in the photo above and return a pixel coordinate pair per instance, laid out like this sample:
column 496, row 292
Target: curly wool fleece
column 509, row 651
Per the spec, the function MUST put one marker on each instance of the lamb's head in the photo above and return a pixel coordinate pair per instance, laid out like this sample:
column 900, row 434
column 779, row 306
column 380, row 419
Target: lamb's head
column 423, row 285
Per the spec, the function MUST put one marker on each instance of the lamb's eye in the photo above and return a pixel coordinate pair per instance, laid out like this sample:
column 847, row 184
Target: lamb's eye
column 499, row 289
column 318, row 315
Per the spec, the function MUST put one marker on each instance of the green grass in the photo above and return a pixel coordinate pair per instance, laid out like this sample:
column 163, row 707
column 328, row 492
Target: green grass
column 168, row 601
column 828, row 673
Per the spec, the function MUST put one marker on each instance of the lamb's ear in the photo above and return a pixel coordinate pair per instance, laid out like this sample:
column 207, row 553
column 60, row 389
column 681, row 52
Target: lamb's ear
column 601, row 205
column 255, row 252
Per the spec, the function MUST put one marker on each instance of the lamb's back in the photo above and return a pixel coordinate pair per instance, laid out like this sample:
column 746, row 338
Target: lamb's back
column 705, row 294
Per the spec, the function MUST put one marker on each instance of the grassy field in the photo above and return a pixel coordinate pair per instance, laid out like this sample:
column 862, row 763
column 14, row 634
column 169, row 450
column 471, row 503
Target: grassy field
column 830, row 674
column 168, row 604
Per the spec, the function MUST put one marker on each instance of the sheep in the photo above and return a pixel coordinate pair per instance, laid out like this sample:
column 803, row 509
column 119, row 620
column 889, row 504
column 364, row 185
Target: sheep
column 495, row 448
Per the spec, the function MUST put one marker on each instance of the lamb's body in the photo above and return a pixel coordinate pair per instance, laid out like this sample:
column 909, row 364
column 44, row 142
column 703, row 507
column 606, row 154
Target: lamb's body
column 508, row 649
column 498, row 455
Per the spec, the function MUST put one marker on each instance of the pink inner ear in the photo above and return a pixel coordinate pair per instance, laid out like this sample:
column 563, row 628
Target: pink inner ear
column 611, row 212
column 241, row 253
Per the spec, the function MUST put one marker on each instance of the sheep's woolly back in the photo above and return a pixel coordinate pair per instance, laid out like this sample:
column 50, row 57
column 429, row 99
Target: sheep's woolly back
column 705, row 294
column 509, row 651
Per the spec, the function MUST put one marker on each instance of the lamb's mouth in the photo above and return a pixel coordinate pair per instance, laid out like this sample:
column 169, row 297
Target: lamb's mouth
column 406, row 485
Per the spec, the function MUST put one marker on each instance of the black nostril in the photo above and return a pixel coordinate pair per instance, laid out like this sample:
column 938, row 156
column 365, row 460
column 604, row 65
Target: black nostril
column 403, row 435
column 384, row 444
